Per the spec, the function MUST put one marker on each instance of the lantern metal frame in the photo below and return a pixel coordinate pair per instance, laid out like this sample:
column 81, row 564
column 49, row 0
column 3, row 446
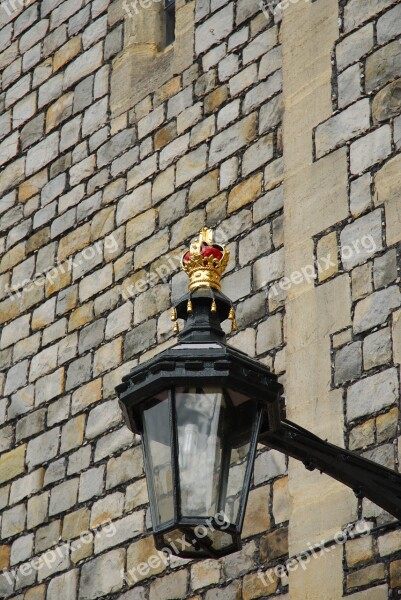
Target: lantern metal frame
column 202, row 358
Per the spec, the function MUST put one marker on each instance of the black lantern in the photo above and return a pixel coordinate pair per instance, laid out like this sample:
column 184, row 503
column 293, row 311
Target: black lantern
column 201, row 408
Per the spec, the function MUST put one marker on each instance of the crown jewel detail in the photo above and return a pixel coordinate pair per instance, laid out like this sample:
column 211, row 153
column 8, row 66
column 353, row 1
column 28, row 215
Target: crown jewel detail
column 205, row 262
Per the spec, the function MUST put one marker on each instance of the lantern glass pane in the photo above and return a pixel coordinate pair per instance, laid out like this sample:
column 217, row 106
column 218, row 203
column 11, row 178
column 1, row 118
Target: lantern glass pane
column 215, row 428
column 157, row 442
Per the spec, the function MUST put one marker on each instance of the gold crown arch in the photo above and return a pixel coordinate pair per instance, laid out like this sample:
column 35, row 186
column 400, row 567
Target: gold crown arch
column 205, row 271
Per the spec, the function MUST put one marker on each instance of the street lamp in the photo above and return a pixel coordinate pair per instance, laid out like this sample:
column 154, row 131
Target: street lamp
column 201, row 408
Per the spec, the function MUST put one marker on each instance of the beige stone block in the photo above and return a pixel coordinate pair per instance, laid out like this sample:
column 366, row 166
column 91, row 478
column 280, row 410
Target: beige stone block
column 205, row 573
column 163, row 185
column 281, row 500
column 102, row 223
column 387, row 188
column 81, row 316
column 80, row 550
column 86, row 395
column 12, row 463
column 395, row 573
column 74, row 242
column 135, row 284
column 108, row 356
column 327, row 256
column 216, row 99
column 143, row 560
column 73, row 434
column 257, row 518
column 136, row 495
column 258, row 585
column 141, row 227
column 359, row 551
column 386, row 425
column 38, row 239
column 369, row 575
column 362, row 435
column 186, row 227
column 67, row 52
column 61, row 281
column 245, row 193
column 9, row 309
column 37, row 510
column 165, row 135
column 36, row 593
column 4, row 557
column 151, row 249
column 203, row 189
column 12, row 175
column 59, row 111
column 389, row 543
column 32, row 186
column 106, row 509
column 75, row 523
column 12, row 257
column 166, row 91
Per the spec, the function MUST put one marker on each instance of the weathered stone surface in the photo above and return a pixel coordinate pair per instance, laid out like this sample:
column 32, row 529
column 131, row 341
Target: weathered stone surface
column 375, row 309
column 383, row 65
column 387, row 182
column 387, row 102
column 102, row 575
column 377, row 349
column 370, row 149
column 367, row 575
column 354, row 15
column 343, row 127
column 169, row 586
column 13, row 521
column 232, row 139
column 107, row 508
column 230, row 592
column 348, row 363
column 214, row 29
column 125, row 467
column 205, row 573
column 64, row 586
column 354, row 46
column 245, row 193
column 42, row 448
column 12, row 463
column 257, row 518
column 372, row 394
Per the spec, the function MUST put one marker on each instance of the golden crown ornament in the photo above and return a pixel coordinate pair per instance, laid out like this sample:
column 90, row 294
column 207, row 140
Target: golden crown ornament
column 205, row 262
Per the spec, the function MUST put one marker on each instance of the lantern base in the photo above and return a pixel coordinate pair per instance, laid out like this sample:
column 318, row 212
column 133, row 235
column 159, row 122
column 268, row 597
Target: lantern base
column 199, row 541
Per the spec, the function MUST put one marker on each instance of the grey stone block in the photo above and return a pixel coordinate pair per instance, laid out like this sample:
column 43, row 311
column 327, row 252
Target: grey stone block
column 140, row 339
column 377, row 349
column 385, row 269
column 375, row 309
column 91, row 483
column 63, row 496
column 348, row 363
column 372, row 394
column 102, row 576
column 91, row 336
column 79, row 372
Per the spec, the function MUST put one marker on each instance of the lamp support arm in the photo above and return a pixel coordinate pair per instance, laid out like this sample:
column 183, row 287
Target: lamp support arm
column 367, row 478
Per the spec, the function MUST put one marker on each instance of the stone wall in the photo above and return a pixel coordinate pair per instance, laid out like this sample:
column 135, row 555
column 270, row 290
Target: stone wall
column 114, row 152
